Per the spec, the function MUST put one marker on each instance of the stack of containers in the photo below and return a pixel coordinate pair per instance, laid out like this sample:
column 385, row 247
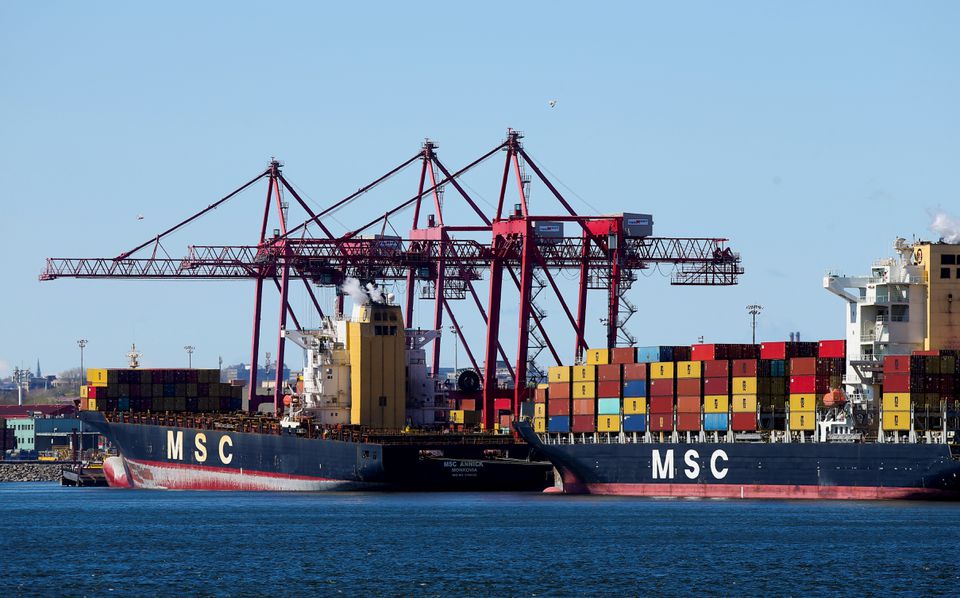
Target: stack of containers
column 744, row 403
column 713, row 352
column 661, row 388
column 716, row 395
column 635, row 397
column 663, row 353
column 540, row 408
column 559, row 395
column 607, row 389
column 897, row 392
column 803, row 393
column 192, row 391
column 927, row 410
column 584, row 399
column 948, row 384
column 689, row 391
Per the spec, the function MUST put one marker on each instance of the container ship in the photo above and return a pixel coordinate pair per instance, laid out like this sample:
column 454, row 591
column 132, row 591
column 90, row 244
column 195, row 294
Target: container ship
column 362, row 417
column 874, row 415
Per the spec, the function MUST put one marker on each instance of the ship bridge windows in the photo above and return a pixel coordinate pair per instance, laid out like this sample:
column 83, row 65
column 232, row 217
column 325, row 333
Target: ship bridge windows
column 948, row 259
column 944, row 272
column 900, row 313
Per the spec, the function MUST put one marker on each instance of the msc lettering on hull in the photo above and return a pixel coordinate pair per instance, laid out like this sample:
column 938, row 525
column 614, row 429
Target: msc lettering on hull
column 201, row 452
column 665, row 469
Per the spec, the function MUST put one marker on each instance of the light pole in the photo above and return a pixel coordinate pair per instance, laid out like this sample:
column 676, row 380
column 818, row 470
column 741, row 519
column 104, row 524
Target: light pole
column 456, row 350
column 18, row 376
column 754, row 310
column 81, row 343
column 189, row 349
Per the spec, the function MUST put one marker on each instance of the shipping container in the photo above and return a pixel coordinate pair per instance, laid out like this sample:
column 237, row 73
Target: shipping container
column 608, row 423
column 715, row 422
column 635, row 388
column 835, row 348
column 744, row 368
column 716, row 386
column 744, row 386
column 608, row 406
column 584, row 373
column 662, row 370
column 635, row 423
column 803, row 421
column 688, row 369
column 717, row 368
column 540, row 410
column 584, row 390
column 539, row 425
column 744, row 422
column 715, row 403
column 559, row 373
column 608, row 389
column 788, row 350
column 609, row 373
column 803, row 384
column 803, row 366
column 633, row 406
column 539, row 394
column 583, row 423
column 689, row 387
column 688, row 404
column 661, row 387
column 688, row 422
column 803, row 402
column 83, row 391
column 661, row 422
column 744, row 403
column 598, row 356
column 558, row 407
column 895, row 401
column 584, row 407
column 652, row 354
column 896, row 421
column 635, row 371
column 623, row 355
column 559, row 391
column 559, row 424
column 661, row 404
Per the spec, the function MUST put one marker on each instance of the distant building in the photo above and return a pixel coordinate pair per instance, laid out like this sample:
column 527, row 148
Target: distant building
column 241, row 372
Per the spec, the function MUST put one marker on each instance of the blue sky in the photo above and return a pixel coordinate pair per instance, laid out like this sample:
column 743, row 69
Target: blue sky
column 810, row 134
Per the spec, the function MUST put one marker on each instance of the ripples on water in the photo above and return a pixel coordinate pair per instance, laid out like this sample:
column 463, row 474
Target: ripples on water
column 65, row 541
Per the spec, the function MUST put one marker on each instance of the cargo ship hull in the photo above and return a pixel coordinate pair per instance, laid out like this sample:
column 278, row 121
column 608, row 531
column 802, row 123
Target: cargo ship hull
column 182, row 458
column 864, row 471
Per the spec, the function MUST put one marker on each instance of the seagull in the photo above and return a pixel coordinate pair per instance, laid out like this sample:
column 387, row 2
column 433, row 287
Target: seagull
column 139, row 216
column 552, row 103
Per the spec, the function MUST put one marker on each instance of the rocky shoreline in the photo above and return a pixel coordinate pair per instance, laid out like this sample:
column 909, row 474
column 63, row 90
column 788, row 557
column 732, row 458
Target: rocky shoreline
column 29, row 472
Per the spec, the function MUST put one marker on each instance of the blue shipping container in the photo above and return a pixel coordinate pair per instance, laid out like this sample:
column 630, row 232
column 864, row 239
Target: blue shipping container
column 778, row 367
column 714, row 422
column 635, row 423
column 124, row 404
column 648, row 354
column 559, row 423
column 608, row 406
column 635, row 388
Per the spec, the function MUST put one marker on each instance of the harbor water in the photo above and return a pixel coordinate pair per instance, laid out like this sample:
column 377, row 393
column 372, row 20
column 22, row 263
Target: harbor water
column 101, row 541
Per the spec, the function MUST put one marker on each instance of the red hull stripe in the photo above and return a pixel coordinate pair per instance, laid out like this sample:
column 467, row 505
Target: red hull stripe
column 246, row 472
column 760, row 491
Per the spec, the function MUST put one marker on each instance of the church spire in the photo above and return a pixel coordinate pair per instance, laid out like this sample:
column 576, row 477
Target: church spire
column 38, row 368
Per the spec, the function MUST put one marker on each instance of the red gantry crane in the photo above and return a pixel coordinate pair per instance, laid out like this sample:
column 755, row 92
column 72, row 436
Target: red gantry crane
column 525, row 249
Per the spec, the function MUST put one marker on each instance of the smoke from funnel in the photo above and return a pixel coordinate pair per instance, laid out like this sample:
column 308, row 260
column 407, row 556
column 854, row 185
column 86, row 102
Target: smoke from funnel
column 375, row 293
column 351, row 286
column 946, row 227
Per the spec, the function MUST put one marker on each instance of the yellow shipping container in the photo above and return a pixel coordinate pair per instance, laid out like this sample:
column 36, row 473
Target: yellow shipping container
column 540, row 425
column 689, row 369
column 539, row 410
column 634, row 406
column 598, row 356
column 660, row 370
column 97, row 376
column 716, row 403
column 559, row 373
column 83, row 391
column 803, row 420
column 584, row 390
column 807, row 402
column 608, row 423
column 896, row 420
column 91, row 404
column 459, row 416
column 744, row 403
column 543, row 386
column 584, row 373
column 896, row 401
column 744, row 386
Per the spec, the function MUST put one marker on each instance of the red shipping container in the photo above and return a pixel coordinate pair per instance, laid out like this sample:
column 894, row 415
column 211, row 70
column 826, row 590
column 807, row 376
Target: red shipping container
column 689, row 387
column 716, row 386
column 608, row 372
column 584, row 407
column 744, row 368
column 744, row 422
column 623, row 355
column 803, row 366
column 688, row 404
column 468, row 404
column 661, row 422
column 661, row 404
column 540, row 395
column 661, row 388
column 503, row 405
column 608, row 389
column 899, row 364
column 583, row 423
column 558, row 407
column 896, row 382
column 773, row 350
column 718, row 368
column 803, row 384
column 688, row 422
column 832, row 349
column 702, row 352
column 560, row 390
column 635, row 371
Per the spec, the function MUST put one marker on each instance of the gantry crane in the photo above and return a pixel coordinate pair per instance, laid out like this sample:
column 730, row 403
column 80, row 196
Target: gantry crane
column 438, row 259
